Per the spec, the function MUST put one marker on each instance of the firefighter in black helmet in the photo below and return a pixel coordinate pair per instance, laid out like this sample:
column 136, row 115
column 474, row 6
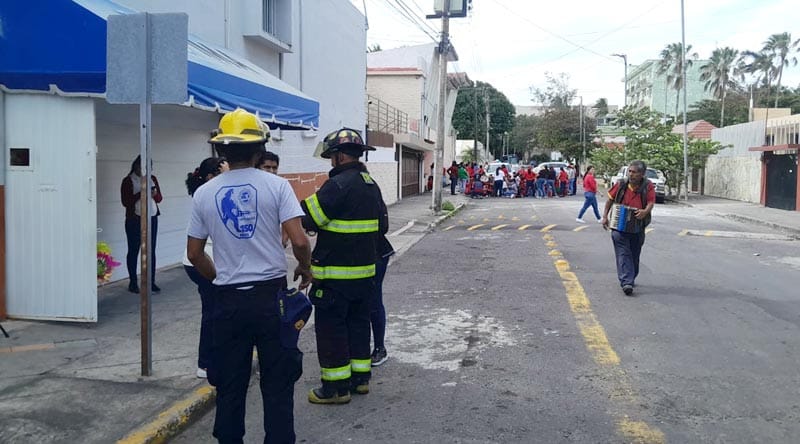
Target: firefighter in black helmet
column 348, row 213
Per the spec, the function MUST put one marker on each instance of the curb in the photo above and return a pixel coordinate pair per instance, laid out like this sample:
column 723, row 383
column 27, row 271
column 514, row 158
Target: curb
column 443, row 218
column 795, row 233
column 174, row 420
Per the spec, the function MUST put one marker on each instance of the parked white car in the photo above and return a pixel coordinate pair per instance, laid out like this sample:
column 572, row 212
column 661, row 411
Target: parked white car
column 655, row 176
column 551, row 165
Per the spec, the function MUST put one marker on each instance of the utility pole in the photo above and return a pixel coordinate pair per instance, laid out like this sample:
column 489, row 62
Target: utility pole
column 624, row 58
column 583, row 140
column 444, row 47
column 475, row 127
column 488, row 123
column 685, row 129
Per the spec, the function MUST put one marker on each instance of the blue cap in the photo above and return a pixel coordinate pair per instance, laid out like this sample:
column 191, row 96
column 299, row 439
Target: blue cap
column 294, row 309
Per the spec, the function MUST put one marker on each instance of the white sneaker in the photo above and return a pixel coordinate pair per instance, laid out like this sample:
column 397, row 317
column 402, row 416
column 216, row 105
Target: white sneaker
column 580, row 221
column 201, row 373
column 599, row 221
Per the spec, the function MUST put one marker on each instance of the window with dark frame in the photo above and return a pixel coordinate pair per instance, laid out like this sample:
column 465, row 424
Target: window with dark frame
column 20, row 157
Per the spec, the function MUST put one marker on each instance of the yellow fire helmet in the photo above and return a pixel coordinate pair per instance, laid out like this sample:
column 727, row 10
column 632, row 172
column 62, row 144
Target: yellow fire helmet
column 240, row 127
column 346, row 140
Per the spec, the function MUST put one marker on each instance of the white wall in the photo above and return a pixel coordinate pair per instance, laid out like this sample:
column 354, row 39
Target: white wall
column 327, row 60
column 385, row 174
column 403, row 92
column 179, row 145
column 734, row 177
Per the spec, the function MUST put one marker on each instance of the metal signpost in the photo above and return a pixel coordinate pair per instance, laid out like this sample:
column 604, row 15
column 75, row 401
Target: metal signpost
column 147, row 63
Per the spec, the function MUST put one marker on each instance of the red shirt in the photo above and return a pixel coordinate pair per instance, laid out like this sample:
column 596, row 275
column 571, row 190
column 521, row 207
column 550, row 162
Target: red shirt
column 631, row 197
column 589, row 184
column 562, row 176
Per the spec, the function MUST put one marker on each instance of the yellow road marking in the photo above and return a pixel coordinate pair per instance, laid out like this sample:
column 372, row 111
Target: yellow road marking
column 501, row 217
column 449, row 228
column 548, row 237
column 499, row 227
column 708, row 233
column 599, row 347
column 648, row 230
column 485, row 219
column 524, row 227
column 548, row 228
column 515, row 218
column 27, row 348
column 581, row 228
column 174, row 418
column 683, row 233
column 475, row 227
column 551, row 244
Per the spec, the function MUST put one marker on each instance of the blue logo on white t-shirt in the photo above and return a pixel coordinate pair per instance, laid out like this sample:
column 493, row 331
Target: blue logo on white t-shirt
column 238, row 209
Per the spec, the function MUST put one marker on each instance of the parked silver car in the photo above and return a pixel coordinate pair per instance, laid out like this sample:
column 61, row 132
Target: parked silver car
column 655, row 176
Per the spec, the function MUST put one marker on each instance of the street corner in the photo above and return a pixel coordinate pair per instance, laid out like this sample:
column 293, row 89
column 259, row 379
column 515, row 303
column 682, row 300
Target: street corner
column 175, row 419
column 438, row 221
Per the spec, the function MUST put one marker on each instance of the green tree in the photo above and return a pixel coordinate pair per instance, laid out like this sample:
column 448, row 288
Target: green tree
column 469, row 114
column 560, row 130
column 758, row 65
column 601, row 107
column 649, row 139
column 778, row 47
column 718, row 75
column 737, row 110
column 523, row 136
column 557, row 93
column 671, row 64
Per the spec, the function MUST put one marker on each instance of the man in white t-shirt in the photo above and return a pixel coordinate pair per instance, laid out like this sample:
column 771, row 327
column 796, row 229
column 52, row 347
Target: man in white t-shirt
column 243, row 211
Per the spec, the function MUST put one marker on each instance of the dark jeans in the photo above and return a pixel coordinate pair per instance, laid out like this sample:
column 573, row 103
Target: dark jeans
column 377, row 313
column 133, row 231
column 627, row 248
column 453, row 182
column 241, row 320
column 589, row 199
column 206, row 290
column 498, row 188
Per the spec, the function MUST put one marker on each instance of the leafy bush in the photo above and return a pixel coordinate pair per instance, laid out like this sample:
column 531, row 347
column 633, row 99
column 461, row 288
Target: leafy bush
column 448, row 206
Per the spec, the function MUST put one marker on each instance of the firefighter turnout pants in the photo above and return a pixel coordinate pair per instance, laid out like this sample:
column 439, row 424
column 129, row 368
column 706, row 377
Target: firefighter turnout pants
column 341, row 323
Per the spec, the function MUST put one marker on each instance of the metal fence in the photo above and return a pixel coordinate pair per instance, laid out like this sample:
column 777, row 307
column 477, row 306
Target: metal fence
column 385, row 118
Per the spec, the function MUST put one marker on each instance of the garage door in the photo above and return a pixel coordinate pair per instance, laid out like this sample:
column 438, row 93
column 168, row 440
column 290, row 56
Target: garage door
column 410, row 182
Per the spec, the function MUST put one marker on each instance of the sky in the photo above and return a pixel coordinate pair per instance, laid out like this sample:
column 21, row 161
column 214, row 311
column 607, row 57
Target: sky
column 511, row 44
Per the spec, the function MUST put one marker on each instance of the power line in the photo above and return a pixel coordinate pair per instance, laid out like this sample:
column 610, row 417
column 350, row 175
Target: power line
column 411, row 18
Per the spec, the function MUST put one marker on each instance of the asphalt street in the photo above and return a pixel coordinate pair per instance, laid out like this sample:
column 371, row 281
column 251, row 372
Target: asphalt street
column 507, row 324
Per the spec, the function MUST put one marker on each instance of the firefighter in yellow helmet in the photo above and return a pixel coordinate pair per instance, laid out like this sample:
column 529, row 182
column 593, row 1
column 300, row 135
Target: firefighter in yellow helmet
column 243, row 211
column 348, row 213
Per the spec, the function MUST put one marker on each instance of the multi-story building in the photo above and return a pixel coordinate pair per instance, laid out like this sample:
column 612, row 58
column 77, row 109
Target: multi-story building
column 649, row 89
column 301, row 65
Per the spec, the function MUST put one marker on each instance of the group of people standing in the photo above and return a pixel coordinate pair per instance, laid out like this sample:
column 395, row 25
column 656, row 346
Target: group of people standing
column 252, row 216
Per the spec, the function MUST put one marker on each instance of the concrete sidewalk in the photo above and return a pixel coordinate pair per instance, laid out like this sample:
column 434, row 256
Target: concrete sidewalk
column 782, row 220
column 71, row 382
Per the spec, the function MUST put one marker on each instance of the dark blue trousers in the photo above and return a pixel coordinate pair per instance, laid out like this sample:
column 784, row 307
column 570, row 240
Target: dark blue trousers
column 243, row 319
column 627, row 248
column 206, row 290
column 377, row 312
column 133, row 232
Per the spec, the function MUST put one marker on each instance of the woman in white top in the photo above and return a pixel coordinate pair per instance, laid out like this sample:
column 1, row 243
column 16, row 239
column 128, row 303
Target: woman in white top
column 208, row 169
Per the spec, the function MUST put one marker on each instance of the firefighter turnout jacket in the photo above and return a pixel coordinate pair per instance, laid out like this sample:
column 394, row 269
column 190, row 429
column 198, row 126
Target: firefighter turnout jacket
column 347, row 213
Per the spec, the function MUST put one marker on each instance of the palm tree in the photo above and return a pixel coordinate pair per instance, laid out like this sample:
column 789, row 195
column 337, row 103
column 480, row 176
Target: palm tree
column 759, row 65
column 778, row 46
column 718, row 75
column 671, row 64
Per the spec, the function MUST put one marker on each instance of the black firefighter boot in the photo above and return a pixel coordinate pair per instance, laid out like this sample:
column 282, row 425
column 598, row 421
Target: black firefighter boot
column 330, row 393
column 359, row 386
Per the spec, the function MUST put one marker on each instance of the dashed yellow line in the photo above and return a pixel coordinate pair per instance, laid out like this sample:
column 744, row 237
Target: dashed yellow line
column 515, row 218
column 449, row 228
column 523, row 228
column 499, row 227
column 551, row 244
column 581, row 228
column 501, row 217
column 475, row 227
column 605, row 357
column 708, row 233
column 548, row 228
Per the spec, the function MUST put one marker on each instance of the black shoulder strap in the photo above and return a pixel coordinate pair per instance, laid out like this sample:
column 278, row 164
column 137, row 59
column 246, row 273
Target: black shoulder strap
column 623, row 186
